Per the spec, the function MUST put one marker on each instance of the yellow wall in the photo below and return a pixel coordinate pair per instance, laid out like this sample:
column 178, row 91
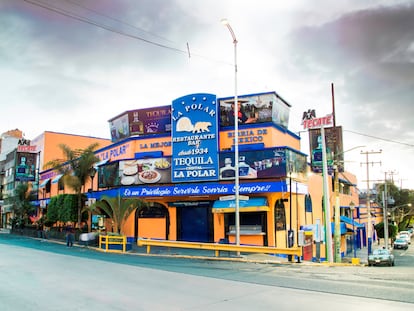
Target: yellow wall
column 151, row 228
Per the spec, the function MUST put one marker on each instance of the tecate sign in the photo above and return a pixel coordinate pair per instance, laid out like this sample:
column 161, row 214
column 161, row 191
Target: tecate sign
column 313, row 122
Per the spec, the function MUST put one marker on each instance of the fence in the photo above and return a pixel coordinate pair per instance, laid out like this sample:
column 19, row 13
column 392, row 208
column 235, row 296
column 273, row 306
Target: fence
column 217, row 247
column 114, row 243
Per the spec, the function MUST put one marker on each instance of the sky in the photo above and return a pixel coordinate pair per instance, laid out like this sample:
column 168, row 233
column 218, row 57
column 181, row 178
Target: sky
column 71, row 65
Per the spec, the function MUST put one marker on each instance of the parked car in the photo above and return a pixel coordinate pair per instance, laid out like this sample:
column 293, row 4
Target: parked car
column 406, row 232
column 400, row 244
column 381, row 256
column 405, row 237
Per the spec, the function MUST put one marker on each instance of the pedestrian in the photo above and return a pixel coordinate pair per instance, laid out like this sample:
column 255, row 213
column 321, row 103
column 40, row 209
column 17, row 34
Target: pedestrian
column 69, row 236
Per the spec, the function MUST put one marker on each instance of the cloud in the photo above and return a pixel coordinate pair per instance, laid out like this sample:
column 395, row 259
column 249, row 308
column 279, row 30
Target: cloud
column 371, row 52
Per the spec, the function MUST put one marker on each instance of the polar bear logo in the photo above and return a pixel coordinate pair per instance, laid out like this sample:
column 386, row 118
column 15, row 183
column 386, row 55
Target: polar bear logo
column 201, row 126
column 185, row 125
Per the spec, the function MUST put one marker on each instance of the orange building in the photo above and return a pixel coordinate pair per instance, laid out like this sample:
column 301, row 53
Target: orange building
column 180, row 160
column 47, row 148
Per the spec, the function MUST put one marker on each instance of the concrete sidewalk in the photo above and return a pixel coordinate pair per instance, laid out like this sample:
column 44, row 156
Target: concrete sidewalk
column 361, row 254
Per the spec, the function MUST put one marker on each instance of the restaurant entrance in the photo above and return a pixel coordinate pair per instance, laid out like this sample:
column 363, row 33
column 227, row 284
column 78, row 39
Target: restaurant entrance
column 194, row 223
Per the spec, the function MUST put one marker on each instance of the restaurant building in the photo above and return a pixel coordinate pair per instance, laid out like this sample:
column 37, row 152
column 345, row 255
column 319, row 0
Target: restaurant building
column 180, row 159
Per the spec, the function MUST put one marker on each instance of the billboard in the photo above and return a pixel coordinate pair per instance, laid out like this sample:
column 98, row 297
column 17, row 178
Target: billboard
column 263, row 164
column 25, row 166
column 256, row 108
column 135, row 172
column 334, row 148
column 147, row 121
column 195, row 138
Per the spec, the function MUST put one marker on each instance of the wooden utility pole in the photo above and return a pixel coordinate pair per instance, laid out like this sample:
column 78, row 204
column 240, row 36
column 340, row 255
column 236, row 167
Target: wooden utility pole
column 368, row 204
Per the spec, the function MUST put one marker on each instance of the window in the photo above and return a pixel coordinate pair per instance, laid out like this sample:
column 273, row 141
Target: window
column 155, row 211
column 280, row 215
column 61, row 184
column 48, row 186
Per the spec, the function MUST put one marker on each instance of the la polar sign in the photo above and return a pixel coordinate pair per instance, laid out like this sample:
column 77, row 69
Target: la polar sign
column 318, row 122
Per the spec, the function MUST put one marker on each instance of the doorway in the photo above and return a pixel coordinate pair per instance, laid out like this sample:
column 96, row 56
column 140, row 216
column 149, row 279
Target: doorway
column 194, row 224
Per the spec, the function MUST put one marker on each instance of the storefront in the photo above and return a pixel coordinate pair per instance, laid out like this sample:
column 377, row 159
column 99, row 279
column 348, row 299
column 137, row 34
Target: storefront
column 182, row 164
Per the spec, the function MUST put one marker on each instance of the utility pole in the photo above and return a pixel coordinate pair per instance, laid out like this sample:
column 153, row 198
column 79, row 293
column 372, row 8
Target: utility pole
column 386, row 201
column 385, row 217
column 368, row 204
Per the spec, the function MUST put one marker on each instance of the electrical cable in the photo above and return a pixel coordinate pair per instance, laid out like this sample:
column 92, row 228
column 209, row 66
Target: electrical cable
column 380, row 138
column 72, row 15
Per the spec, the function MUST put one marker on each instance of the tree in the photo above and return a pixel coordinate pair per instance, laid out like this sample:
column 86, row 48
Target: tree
column 53, row 211
column 22, row 206
column 117, row 209
column 392, row 230
column 75, row 168
column 402, row 204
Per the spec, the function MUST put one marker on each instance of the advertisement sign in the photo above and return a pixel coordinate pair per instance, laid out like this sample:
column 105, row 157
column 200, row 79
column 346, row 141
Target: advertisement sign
column 262, row 164
column 108, row 175
column 25, row 166
column 195, row 189
column 256, row 108
column 194, row 138
column 145, row 171
column 146, row 121
column 269, row 163
column 334, row 148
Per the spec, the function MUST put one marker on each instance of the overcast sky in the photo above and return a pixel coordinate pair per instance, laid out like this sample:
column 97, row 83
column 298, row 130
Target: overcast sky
column 71, row 65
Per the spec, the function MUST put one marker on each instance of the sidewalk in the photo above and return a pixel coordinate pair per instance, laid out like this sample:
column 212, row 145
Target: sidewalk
column 361, row 254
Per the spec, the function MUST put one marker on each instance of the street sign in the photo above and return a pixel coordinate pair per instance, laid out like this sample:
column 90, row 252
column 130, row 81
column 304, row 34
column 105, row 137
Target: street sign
column 233, row 197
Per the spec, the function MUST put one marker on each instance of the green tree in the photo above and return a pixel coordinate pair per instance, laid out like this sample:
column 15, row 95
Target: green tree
column 53, row 211
column 117, row 209
column 69, row 210
column 75, row 168
column 22, row 206
column 392, row 230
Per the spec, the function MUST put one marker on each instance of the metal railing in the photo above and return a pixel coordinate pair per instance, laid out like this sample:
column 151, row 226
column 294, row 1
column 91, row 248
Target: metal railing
column 105, row 242
column 217, row 247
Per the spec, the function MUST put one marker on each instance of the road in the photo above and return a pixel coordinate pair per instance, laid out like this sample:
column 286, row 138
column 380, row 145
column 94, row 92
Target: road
column 42, row 275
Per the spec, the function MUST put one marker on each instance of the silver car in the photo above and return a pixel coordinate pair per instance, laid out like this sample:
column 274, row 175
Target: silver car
column 381, row 256
column 400, row 244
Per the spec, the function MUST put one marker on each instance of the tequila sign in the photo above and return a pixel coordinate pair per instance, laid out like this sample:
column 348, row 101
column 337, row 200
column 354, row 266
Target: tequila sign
column 194, row 138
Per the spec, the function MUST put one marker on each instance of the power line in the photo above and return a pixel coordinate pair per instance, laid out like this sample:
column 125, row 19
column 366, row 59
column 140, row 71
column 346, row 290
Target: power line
column 91, row 22
column 380, row 138
column 72, row 15
column 117, row 20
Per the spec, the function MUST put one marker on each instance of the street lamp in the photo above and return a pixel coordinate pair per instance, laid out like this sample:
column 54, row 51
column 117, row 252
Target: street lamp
column 226, row 23
column 352, row 208
column 92, row 172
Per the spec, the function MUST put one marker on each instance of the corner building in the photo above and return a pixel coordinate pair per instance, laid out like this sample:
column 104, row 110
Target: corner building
column 181, row 160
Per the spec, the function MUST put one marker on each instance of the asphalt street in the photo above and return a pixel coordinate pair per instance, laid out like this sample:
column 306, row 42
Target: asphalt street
column 45, row 275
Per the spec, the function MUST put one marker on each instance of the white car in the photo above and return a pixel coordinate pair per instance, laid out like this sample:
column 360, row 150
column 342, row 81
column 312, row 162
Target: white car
column 404, row 237
column 405, row 232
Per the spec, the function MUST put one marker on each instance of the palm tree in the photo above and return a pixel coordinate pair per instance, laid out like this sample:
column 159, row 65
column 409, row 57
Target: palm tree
column 75, row 168
column 117, row 209
column 22, row 206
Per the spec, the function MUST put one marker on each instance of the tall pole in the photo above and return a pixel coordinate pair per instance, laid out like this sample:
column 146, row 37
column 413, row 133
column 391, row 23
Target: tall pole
column 385, row 204
column 369, row 229
column 236, row 137
column 328, row 229
column 368, row 204
column 352, row 208
column 337, row 232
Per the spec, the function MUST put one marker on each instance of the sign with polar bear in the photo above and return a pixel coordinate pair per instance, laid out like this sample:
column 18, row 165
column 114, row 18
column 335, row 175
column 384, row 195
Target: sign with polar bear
column 194, row 138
